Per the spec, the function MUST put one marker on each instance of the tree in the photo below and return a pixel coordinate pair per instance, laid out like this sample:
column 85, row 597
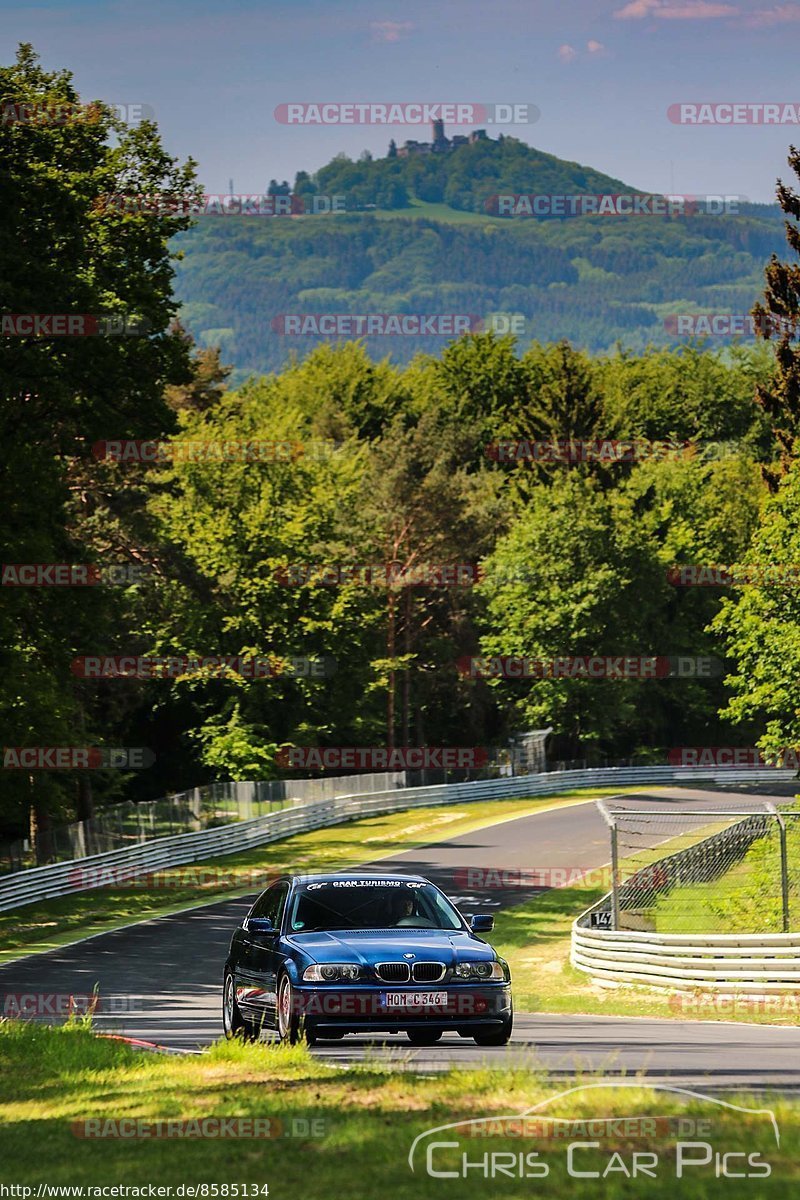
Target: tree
column 304, row 185
column 574, row 576
column 419, row 514
column 206, row 386
column 779, row 315
column 80, row 253
column 761, row 626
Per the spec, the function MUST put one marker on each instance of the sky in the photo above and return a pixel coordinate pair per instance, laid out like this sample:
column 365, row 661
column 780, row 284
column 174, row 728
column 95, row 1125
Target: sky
column 602, row 74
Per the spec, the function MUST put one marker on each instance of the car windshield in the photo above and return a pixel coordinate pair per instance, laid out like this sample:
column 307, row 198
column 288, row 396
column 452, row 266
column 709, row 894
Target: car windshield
column 371, row 904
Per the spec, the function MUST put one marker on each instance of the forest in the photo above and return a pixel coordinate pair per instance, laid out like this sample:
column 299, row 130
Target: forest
column 356, row 523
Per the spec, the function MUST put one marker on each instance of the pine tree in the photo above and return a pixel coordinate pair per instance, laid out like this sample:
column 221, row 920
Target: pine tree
column 779, row 316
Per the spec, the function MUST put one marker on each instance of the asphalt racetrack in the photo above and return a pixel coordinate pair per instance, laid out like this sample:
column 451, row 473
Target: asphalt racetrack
column 164, row 974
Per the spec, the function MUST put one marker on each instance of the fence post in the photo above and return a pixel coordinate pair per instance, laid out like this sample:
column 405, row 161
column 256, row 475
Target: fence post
column 784, row 866
column 614, row 877
column 612, row 827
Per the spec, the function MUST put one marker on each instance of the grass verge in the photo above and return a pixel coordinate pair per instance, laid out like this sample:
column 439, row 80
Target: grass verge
column 349, row 1133
column 745, row 899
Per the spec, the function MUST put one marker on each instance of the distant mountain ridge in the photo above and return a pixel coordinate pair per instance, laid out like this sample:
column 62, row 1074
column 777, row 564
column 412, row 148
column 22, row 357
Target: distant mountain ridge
column 464, row 176
column 421, row 241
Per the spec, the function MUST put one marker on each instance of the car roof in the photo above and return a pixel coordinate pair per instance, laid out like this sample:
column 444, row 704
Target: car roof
column 331, row 876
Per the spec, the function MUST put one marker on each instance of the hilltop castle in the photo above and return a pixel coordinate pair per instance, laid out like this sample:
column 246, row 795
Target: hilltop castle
column 439, row 145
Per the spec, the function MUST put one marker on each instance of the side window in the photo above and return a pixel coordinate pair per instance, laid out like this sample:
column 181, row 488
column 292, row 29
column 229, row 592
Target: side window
column 271, row 904
column 267, row 905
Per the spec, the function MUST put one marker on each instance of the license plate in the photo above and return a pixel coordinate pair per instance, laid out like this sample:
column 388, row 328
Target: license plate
column 414, row 999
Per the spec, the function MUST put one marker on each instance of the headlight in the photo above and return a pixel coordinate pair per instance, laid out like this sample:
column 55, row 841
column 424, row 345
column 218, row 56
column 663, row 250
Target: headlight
column 330, row 972
column 479, row 970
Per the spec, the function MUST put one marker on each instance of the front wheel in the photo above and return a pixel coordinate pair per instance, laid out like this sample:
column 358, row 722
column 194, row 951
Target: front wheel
column 289, row 1027
column 233, row 1023
column 495, row 1037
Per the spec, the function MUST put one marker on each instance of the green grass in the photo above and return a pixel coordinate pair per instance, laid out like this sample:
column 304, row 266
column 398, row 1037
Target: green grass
column 46, row 925
column 437, row 212
column 365, row 1121
column 746, row 899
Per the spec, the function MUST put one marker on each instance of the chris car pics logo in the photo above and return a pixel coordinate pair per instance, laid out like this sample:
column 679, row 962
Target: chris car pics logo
column 535, row 1145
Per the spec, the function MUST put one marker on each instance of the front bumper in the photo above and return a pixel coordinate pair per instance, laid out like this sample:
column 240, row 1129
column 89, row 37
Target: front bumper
column 364, row 1008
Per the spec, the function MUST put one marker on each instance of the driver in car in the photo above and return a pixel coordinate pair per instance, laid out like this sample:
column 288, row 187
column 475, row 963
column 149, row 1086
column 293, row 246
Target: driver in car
column 402, row 908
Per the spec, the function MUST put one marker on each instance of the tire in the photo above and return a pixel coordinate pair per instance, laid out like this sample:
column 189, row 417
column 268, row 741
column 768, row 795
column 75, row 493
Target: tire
column 424, row 1037
column 496, row 1037
column 290, row 1028
column 233, row 1023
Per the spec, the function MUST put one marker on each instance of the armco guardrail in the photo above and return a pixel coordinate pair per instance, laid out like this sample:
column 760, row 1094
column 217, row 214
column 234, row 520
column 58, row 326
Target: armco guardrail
column 64, row 878
column 729, row 963
column 754, row 964
column 206, row 807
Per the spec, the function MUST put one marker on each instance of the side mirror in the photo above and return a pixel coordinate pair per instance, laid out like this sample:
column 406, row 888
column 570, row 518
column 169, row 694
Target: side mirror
column 262, row 926
column 481, row 923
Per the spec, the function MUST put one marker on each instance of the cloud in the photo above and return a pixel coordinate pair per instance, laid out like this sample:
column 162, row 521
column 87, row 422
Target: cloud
column 568, row 53
column 636, row 10
column 696, row 10
column 390, row 31
column 779, row 14
column 670, row 10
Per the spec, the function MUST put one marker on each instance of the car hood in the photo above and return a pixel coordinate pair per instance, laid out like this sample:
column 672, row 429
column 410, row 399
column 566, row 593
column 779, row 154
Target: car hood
column 373, row 946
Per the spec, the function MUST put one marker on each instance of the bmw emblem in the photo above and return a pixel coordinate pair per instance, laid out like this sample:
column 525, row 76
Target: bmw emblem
column 409, row 956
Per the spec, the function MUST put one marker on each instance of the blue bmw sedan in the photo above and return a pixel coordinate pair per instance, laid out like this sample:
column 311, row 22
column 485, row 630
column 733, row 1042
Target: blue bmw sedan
column 319, row 956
